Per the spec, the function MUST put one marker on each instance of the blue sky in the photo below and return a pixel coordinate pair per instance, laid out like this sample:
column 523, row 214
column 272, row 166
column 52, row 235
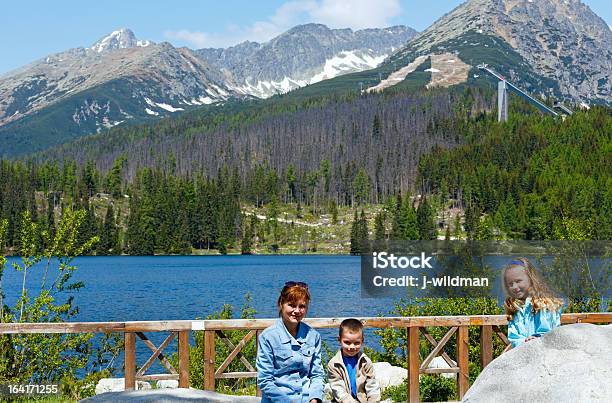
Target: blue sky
column 33, row 29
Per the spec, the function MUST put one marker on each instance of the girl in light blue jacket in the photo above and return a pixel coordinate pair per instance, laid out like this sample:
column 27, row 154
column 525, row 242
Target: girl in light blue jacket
column 531, row 306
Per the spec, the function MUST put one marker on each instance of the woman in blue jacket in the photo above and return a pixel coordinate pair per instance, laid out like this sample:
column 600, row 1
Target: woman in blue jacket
column 289, row 355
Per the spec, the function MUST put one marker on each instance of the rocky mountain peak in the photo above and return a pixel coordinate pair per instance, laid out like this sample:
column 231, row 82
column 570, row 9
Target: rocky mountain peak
column 309, row 27
column 121, row 39
column 560, row 39
column 304, row 55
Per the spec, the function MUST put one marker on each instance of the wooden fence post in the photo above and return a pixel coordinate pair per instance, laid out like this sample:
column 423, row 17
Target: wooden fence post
column 209, row 360
column 130, row 361
column 486, row 345
column 413, row 364
column 463, row 378
column 257, row 334
column 183, row 346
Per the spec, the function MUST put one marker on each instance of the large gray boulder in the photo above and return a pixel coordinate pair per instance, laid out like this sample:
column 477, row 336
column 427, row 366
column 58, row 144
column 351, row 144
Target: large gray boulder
column 571, row 363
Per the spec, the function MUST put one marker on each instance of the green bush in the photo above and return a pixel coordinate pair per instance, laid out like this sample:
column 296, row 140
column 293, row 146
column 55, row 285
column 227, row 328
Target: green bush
column 397, row 393
column 50, row 358
column 435, row 388
column 432, row 388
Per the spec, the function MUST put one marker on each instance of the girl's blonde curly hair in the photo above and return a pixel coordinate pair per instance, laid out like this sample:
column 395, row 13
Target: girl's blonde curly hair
column 542, row 297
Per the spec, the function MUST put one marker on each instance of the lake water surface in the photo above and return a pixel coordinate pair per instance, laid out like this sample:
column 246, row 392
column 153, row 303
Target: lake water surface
column 128, row 288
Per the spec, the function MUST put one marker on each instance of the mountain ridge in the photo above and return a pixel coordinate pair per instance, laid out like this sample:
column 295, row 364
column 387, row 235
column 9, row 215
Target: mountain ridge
column 572, row 45
column 567, row 61
column 75, row 92
column 303, row 55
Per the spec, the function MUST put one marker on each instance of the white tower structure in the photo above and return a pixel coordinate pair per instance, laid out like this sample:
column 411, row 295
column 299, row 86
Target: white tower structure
column 502, row 101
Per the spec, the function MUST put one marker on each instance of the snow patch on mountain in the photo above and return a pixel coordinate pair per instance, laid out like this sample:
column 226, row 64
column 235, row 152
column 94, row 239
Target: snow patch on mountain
column 220, row 90
column 343, row 63
column 265, row 89
column 162, row 105
column 120, row 39
column 202, row 100
column 169, row 108
column 107, row 123
column 347, row 62
column 149, row 102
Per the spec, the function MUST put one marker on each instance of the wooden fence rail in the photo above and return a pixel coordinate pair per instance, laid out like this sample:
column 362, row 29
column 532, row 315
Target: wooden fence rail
column 415, row 327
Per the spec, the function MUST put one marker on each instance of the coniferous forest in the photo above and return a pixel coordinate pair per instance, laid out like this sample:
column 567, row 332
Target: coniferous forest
column 292, row 176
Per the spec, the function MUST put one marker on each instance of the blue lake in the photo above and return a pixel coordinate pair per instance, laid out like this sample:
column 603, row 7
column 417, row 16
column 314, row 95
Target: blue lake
column 125, row 288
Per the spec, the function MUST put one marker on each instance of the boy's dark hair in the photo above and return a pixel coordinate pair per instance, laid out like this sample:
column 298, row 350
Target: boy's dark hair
column 351, row 325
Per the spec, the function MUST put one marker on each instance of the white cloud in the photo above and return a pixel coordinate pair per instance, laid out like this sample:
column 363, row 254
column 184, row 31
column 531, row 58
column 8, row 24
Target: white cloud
column 355, row 14
column 198, row 39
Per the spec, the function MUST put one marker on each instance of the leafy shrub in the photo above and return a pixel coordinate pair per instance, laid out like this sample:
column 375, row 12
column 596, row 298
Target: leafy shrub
column 51, row 358
column 432, row 388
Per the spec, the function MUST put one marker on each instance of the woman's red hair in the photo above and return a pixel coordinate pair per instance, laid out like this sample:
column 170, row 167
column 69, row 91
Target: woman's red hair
column 293, row 294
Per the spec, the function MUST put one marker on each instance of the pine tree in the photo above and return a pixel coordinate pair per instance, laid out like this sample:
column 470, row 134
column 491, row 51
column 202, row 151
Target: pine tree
column 333, row 210
column 363, row 234
column 229, row 214
column 457, row 227
column 117, row 247
column 247, row 237
column 107, row 233
column 254, row 223
column 88, row 180
column 408, row 221
column 484, row 231
column 396, row 230
column 325, row 170
column 140, row 235
column 362, row 186
column 472, row 219
column 51, row 215
column 354, row 237
column 90, row 224
column 314, row 235
column 181, row 243
column 376, row 127
column 115, row 176
column 69, row 181
column 208, row 212
column 425, row 221
column 380, row 235
column 291, row 178
column 298, row 210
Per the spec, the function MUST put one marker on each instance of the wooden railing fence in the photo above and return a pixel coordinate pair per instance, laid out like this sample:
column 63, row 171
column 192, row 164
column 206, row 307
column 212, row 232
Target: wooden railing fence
column 415, row 327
